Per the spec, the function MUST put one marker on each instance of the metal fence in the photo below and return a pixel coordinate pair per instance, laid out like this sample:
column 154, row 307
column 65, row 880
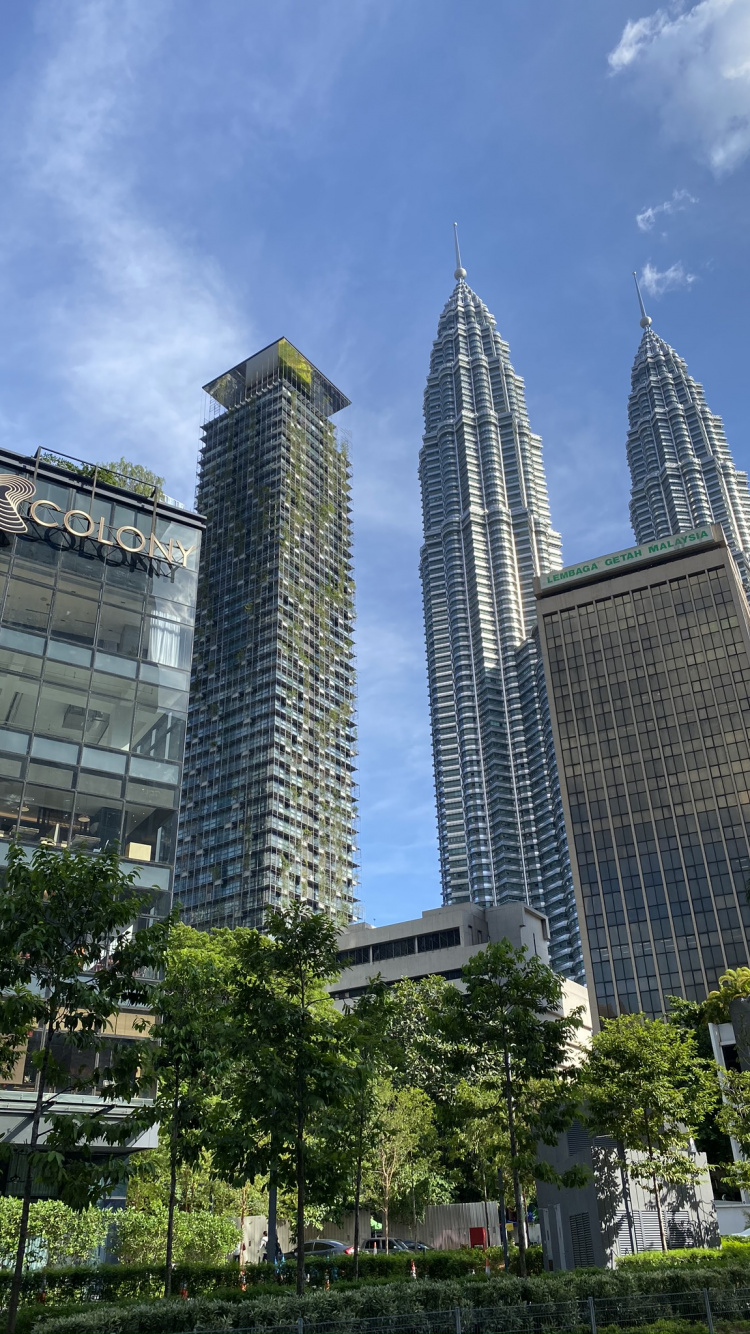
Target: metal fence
column 717, row 1311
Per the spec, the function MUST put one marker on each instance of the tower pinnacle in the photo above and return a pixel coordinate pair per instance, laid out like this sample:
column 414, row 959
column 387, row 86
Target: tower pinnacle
column 459, row 271
column 645, row 319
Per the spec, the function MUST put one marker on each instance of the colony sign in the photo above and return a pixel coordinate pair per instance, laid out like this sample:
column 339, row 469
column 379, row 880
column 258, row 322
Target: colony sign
column 14, row 489
column 631, row 555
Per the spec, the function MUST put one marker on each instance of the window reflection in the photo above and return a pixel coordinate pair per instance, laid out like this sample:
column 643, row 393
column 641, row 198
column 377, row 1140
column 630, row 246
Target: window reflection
column 45, row 815
column 159, row 730
column 18, row 697
column 97, row 821
column 74, row 616
column 110, row 714
column 150, row 823
column 168, row 643
column 27, row 605
column 62, row 706
column 119, row 630
column 10, row 804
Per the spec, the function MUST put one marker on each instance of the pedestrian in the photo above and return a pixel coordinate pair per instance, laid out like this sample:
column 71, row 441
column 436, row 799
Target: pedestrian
column 263, row 1247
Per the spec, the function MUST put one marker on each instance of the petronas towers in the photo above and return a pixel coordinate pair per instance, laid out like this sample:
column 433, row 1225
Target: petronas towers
column 487, row 533
column 681, row 468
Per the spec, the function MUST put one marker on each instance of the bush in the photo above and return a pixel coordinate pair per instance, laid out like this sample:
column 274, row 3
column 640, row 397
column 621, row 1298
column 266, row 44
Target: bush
column 62, row 1233
column 372, row 1300
column 731, row 1251
column 199, row 1237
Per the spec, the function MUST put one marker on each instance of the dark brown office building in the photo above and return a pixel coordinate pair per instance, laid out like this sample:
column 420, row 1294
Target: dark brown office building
column 647, row 655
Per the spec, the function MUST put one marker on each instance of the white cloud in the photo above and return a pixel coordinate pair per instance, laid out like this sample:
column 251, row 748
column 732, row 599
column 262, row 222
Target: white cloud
column 691, row 63
column 658, row 281
column 137, row 319
column 680, row 200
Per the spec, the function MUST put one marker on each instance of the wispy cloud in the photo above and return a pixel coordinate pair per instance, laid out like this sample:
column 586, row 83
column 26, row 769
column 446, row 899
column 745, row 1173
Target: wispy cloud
column 691, row 63
column 681, row 199
column 138, row 318
column 658, row 281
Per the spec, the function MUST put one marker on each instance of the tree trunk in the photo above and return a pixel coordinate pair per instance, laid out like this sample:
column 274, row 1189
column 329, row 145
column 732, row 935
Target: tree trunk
column 272, row 1223
column 486, row 1205
column 503, row 1216
column 358, row 1190
column 520, row 1221
column 626, row 1196
column 657, row 1197
column 172, row 1183
column 300, row 1204
column 386, row 1199
column 23, row 1230
column 243, row 1200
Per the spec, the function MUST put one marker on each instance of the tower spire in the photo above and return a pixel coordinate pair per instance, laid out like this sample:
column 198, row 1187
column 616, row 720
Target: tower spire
column 645, row 319
column 460, row 272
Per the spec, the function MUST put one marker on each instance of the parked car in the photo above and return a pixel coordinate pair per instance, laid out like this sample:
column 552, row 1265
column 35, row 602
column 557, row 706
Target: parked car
column 376, row 1245
column 408, row 1245
column 319, row 1248
column 740, row 1236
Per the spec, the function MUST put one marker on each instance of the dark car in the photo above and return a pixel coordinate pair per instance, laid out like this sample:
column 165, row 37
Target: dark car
column 377, row 1245
column 319, row 1248
column 407, row 1245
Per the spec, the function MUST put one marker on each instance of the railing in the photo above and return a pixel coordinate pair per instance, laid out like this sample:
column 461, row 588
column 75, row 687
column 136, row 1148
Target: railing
column 718, row 1311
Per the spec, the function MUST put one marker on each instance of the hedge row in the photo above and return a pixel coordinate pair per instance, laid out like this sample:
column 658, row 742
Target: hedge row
column 112, row 1283
column 732, row 1252
column 349, row 1303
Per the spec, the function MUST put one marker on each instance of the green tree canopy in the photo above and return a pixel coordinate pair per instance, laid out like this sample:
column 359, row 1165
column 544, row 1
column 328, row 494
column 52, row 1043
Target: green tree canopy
column 401, row 1147
column 647, row 1088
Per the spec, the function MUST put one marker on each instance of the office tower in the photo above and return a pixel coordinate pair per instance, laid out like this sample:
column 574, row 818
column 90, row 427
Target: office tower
column 681, row 466
column 268, row 800
column 97, row 602
column 487, row 532
column 647, row 653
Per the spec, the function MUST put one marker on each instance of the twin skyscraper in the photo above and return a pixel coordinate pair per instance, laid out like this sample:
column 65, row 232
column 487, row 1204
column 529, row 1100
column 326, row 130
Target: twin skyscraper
column 268, row 809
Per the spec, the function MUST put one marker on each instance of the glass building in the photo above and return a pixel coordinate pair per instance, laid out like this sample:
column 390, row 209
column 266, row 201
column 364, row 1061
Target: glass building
column 487, row 533
column 647, row 653
column 681, row 466
column 97, row 603
column 268, row 800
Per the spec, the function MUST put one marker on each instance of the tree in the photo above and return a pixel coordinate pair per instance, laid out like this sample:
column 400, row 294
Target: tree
column 734, row 1119
column 366, row 1024
column 517, row 1043
column 647, row 1088
column 401, row 1137
column 69, row 959
column 68, row 1236
column 293, row 1066
column 734, row 984
column 199, row 1237
column 189, row 1055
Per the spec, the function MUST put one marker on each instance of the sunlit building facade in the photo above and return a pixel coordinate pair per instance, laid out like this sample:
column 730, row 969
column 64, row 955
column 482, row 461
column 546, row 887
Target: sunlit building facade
column 268, row 800
column 487, row 533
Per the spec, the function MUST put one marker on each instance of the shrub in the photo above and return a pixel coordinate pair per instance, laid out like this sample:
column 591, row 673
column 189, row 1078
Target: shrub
column 199, row 1237
column 62, row 1234
column 731, row 1251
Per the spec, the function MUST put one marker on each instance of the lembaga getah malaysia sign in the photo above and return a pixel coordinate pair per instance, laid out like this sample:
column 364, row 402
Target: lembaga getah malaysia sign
column 15, row 489
column 630, row 556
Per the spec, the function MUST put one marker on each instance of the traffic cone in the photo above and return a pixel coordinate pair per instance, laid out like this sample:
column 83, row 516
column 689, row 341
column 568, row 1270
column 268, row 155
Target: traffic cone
column 413, row 1270
column 183, row 1290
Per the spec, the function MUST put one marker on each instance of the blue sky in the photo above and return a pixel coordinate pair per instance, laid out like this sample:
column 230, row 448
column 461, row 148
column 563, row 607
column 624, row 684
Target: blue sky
column 183, row 182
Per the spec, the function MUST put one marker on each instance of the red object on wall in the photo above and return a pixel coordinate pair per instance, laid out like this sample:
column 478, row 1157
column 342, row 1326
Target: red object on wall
column 478, row 1237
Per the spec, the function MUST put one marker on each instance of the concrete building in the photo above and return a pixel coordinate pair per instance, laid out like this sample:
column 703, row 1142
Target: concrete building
column 268, row 800
column 440, row 943
column 487, row 533
column 97, row 603
column 647, row 655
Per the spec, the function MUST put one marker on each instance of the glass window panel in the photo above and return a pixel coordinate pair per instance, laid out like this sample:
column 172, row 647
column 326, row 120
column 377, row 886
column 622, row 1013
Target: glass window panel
column 62, row 710
column 167, row 676
column 176, row 583
column 49, row 774
column 42, row 749
column 53, row 491
column 74, row 616
column 97, row 785
column 161, row 603
column 17, row 639
column 146, row 794
column 10, row 805
column 149, row 833
column 18, row 697
column 10, row 768
column 110, row 716
column 167, row 642
column 170, row 529
column 35, row 558
column 27, row 605
column 108, row 760
column 131, row 518
column 17, row 742
column 45, row 815
column 119, row 630
column 97, row 821
column 127, row 576
column 107, row 663
column 154, row 771
column 158, row 731
column 69, row 653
